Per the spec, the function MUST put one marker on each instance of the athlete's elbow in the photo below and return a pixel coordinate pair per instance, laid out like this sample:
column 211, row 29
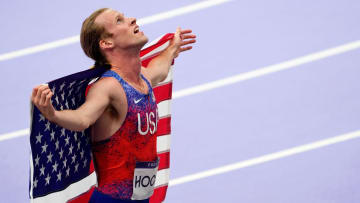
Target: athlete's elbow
column 83, row 125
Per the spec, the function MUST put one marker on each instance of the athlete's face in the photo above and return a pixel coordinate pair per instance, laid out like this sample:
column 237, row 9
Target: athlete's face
column 125, row 32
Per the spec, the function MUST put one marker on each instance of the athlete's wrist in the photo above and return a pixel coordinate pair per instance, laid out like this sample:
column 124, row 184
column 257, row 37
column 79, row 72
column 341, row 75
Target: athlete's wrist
column 170, row 52
column 53, row 116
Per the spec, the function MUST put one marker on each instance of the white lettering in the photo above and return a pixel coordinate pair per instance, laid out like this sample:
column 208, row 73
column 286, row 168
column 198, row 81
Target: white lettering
column 152, row 116
column 139, row 124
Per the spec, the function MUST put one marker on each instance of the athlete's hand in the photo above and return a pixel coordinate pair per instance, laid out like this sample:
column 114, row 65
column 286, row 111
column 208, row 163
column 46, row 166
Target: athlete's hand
column 181, row 40
column 41, row 98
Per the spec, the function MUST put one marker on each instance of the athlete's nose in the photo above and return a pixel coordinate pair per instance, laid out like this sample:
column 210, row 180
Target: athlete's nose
column 133, row 21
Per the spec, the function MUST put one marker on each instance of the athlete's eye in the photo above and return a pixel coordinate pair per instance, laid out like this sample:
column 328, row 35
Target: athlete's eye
column 118, row 20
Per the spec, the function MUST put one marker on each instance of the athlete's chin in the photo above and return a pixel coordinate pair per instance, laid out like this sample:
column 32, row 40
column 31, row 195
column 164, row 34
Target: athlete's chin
column 138, row 42
column 143, row 41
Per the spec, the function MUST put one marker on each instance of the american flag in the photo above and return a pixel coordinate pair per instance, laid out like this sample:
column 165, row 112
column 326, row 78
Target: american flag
column 61, row 167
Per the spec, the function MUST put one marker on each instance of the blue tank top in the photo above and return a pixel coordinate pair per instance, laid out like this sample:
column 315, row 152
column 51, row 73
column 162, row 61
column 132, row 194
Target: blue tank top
column 135, row 141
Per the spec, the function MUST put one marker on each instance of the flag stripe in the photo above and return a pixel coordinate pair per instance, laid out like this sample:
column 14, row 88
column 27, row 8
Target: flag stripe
column 162, row 177
column 148, row 57
column 164, row 160
column 164, row 108
column 164, row 126
column 70, row 192
column 152, row 48
column 84, row 197
column 159, row 194
column 160, row 40
column 151, row 52
column 163, row 143
column 91, row 169
column 163, row 92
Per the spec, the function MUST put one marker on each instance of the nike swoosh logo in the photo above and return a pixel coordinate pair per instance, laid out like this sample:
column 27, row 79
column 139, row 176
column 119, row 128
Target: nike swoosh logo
column 137, row 101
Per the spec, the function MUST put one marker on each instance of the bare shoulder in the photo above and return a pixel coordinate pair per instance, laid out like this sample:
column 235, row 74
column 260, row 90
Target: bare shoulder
column 108, row 86
column 105, row 82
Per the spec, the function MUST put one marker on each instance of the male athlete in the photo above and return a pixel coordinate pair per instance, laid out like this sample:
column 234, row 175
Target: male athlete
column 119, row 107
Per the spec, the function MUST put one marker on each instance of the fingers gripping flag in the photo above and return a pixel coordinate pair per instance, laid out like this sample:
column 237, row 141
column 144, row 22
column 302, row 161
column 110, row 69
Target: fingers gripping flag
column 61, row 167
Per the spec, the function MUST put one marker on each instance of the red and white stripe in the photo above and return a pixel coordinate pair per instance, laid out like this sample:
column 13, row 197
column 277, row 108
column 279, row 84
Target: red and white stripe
column 162, row 92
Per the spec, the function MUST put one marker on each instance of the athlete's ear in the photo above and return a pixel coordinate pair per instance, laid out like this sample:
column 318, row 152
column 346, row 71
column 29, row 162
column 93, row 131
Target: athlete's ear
column 106, row 44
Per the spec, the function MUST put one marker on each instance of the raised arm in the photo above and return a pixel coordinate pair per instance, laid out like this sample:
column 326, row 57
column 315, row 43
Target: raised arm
column 159, row 67
column 97, row 99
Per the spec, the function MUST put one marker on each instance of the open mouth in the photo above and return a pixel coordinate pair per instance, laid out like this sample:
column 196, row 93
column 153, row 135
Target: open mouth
column 136, row 30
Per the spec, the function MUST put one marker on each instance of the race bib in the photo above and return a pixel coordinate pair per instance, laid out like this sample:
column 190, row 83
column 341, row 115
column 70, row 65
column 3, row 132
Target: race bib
column 144, row 179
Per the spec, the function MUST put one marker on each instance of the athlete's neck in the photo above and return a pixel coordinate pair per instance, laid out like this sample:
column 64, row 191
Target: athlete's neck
column 127, row 64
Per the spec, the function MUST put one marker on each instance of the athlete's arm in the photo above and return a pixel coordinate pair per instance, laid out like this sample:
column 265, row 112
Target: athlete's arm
column 97, row 99
column 159, row 67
